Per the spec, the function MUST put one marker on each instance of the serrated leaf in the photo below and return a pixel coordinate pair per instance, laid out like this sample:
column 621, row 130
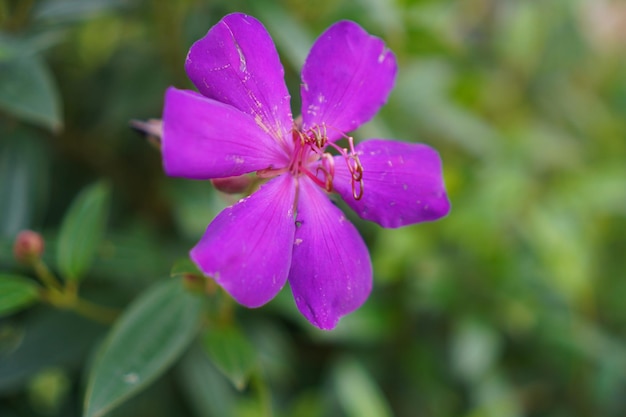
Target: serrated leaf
column 149, row 337
column 231, row 353
column 28, row 92
column 82, row 231
column 357, row 393
column 16, row 293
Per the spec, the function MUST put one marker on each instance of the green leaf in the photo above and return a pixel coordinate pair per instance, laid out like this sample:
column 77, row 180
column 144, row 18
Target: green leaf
column 28, row 92
column 82, row 231
column 71, row 11
column 24, row 44
column 24, row 180
column 207, row 391
column 42, row 338
column 232, row 353
column 150, row 336
column 16, row 293
column 358, row 394
column 185, row 267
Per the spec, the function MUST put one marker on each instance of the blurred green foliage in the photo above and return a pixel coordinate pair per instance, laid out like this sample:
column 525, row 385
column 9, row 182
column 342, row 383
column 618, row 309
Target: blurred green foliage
column 513, row 305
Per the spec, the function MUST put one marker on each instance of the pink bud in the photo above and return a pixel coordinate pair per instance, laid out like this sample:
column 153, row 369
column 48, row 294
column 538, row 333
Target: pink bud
column 232, row 185
column 28, row 246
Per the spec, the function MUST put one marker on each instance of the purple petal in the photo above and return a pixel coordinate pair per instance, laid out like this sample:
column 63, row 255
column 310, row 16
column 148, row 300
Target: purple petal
column 236, row 63
column 331, row 271
column 346, row 78
column 203, row 139
column 402, row 183
column 247, row 248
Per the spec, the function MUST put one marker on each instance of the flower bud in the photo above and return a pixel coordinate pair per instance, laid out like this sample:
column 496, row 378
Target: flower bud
column 28, row 246
column 153, row 129
column 232, row 185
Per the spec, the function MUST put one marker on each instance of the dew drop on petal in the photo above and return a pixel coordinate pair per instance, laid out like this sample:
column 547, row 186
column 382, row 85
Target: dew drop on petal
column 382, row 56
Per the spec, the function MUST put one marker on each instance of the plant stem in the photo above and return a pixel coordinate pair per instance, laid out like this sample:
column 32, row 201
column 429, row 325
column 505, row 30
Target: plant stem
column 104, row 315
column 66, row 296
column 265, row 399
column 46, row 276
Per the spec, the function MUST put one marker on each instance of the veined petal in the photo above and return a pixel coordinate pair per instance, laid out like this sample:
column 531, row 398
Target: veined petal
column 204, row 139
column 331, row 271
column 247, row 248
column 236, row 63
column 345, row 79
column 402, row 183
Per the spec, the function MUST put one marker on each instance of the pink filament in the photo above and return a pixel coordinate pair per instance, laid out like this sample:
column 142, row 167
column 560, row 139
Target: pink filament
column 309, row 148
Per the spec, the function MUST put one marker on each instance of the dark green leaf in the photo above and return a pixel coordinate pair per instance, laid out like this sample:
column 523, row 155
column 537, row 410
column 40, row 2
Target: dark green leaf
column 232, row 353
column 145, row 342
column 14, row 47
column 23, row 180
column 131, row 257
column 16, row 293
column 28, row 92
column 82, row 230
column 45, row 337
column 209, row 393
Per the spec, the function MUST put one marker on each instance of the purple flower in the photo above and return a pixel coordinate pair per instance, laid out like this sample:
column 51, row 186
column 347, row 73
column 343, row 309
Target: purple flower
column 289, row 229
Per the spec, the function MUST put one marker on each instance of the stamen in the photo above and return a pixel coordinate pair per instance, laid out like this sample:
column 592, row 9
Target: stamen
column 354, row 166
column 309, row 150
column 315, row 178
column 328, row 171
column 357, row 193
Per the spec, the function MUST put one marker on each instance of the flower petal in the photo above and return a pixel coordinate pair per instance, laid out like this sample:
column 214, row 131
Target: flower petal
column 402, row 183
column 346, row 78
column 247, row 248
column 236, row 63
column 331, row 271
column 203, row 139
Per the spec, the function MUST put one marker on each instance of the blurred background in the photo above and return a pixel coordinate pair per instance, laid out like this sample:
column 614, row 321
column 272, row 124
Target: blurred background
column 514, row 305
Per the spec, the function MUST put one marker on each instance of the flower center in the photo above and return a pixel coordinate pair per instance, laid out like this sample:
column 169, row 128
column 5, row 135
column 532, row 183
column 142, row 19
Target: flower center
column 309, row 157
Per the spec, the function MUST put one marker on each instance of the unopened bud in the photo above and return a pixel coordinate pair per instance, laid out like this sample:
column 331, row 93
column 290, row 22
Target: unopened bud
column 152, row 128
column 232, row 185
column 28, row 246
column 194, row 282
